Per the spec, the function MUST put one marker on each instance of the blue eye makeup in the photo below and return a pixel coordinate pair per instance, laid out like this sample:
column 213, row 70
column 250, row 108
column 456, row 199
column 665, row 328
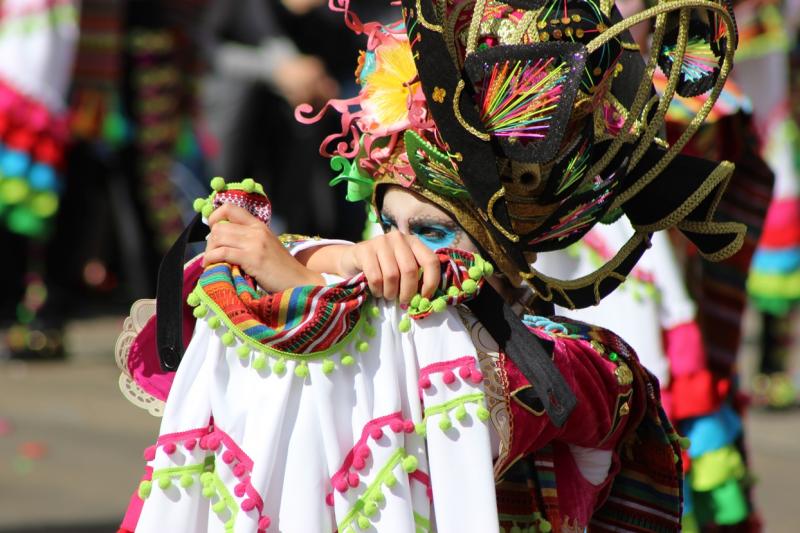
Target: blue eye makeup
column 434, row 235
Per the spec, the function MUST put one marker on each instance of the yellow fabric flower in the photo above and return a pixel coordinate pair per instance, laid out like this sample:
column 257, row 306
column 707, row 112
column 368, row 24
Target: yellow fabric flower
column 390, row 88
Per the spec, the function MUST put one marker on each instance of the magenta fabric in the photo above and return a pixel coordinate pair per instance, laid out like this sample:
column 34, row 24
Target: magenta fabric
column 143, row 361
column 684, row 347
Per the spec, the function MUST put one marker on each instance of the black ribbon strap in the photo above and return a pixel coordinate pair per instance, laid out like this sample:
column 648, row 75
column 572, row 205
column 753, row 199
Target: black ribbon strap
column 169, row 296
column 532, row 355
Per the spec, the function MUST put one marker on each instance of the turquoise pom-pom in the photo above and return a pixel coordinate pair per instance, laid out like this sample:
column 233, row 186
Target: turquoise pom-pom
column 243, row 351
column 164, row 482
column 280, row 366
column 410, row 463
column 198, row 204
column 405, row 325
column 469, row 286
column 301, row 370
column 228, row 339
column 218, row 183
column 200, row 311
column 327, row 366
column 260, row 362
column 207, row 210
column 145, row 487
column 347, row 359
column 439, row 305
column 249, row 185
column 186, row 481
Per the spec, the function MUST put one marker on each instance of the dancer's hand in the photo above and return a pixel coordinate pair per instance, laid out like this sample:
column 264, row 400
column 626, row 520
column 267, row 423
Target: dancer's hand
column 391, row 263
column 239, row 238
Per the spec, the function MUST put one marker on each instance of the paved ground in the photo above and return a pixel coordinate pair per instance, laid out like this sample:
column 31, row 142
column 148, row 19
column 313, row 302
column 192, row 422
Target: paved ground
column 70, row 445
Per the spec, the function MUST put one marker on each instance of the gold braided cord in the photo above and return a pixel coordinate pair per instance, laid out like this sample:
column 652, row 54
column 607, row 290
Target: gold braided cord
column 639, row 101
column 595, row 278
column 717, row 228
column 461, row 120
column 719, row 176
column 475, row 26
column 425, row 24
column 450, row 33
column 527, row 20
column 664, row 102
column 496, row 223
column 705, row 109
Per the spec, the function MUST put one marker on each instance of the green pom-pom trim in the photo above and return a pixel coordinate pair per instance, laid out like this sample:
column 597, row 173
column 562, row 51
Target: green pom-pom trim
column 249, row 185
column 362, row 346
column 424, row 305
column 469, row 286
column 475, row 272
column 461, row 412
column 685, row 443
column 482, row 413
column 374, row 311
column 439, row 305
column 219, row 506
column 347, row 359
column 328, row 366
column 198, row 204
column 363, row 522
column 410, row 464
column 415, row 300
column 370, row 331
column 280, row 366
column 193, row 300
column 488, row 268
column 453, row 292
column 390, row 480
column 207, row 210
column 228, row 339
column 301, row 370
column 545, row 526
column 243, row 351
column 206, row 478
column 445, row 423
column 214, row 322
column 145, row 487
column 164, row 482
column 421, row 429
column 200, row 311
column 208, row 491
column 405, row 325
column 186, row 481
column 218, row 183
column 378, row 496
column 370, row 508
column 260, row 362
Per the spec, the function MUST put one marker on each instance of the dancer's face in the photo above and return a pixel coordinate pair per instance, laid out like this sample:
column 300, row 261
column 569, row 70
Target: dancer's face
column 408, row 213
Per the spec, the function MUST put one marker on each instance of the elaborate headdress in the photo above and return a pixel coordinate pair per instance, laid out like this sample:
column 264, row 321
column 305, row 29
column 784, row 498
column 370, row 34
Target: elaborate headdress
column 531, row 120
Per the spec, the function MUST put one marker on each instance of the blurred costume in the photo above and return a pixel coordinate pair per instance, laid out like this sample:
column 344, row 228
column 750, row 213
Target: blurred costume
column 320, row 408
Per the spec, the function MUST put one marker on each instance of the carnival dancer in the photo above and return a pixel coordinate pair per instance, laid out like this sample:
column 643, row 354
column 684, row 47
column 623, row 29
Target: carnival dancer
column 302, row 407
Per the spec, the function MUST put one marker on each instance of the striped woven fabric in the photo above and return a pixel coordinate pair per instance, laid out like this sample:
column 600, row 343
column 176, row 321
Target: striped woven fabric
column 301, row 320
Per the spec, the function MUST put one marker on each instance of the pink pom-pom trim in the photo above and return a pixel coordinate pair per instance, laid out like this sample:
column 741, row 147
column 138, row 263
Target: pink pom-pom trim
column 239, row 470
column 359, row 463
column 476, row 376
column 228, row 457
column 248, row 505
column 396, row 425
column 169, row 448
column 340, row 484
column 464, row 371
column 376, row 433
column 329, row 499
column 239, row 489
column 353, row 479
column 264, row 522
column 408, row 426
column 189, row 444
column 425, row 382
column 448, row 377
column 150, row 453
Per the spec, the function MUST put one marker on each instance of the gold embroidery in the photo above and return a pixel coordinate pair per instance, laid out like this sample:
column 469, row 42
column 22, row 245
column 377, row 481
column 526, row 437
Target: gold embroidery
column 624, row 375
column 624, row 409
column 438, row 95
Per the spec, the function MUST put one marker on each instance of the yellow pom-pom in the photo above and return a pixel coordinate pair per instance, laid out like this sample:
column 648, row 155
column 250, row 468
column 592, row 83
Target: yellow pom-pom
column 218, row 184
